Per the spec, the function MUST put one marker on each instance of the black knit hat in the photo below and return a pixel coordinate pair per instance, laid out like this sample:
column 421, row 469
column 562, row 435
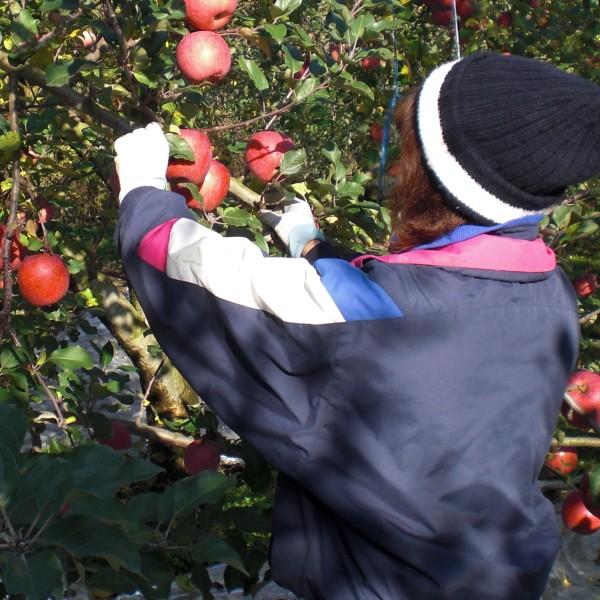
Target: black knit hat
column 503, row 136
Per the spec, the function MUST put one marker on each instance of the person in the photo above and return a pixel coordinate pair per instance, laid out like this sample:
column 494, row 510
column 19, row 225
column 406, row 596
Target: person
column 406, row 400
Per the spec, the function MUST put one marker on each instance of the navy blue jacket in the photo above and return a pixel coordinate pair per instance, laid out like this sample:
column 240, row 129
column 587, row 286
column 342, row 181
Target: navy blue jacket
column 407, row 401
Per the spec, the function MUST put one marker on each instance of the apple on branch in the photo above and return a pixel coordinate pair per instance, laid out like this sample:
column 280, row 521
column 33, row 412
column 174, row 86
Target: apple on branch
column 577, row 517
column 264, row 153
column 562, row 459
column 583, row 394
column 201, row 455
column 213, row 190
column 17, row 250
column 208, row 15
column 203, row 56
column 370, row 63
column 119, row 439
column 182, row 171
column 585, row 284
column 43, row 279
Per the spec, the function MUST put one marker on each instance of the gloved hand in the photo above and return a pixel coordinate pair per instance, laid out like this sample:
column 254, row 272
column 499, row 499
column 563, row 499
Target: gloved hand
column 295, row 226
column 141, row 159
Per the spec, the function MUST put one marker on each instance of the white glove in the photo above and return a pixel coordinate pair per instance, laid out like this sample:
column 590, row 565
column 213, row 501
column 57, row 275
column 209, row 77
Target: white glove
column 141, row 159
column 295, row 226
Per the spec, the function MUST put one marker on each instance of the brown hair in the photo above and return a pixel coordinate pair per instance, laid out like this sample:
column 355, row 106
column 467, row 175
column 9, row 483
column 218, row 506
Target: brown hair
column 418, row 210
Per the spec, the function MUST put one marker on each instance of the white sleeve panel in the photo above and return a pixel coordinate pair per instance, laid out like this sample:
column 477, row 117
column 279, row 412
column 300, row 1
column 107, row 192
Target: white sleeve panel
column 234, row 269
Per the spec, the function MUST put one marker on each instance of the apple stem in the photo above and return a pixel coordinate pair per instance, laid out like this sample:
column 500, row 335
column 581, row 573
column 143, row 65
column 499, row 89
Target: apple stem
column 593, row 425
column 138, row 418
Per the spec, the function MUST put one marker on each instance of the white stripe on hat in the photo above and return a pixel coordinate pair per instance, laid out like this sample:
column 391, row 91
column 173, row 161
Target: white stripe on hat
column 449, row 171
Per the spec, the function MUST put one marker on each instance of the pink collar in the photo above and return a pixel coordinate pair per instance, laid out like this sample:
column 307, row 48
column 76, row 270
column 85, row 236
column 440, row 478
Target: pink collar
column 487, row 252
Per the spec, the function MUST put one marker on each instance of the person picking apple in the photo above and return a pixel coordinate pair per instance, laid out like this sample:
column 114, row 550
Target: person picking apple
column 407, row 400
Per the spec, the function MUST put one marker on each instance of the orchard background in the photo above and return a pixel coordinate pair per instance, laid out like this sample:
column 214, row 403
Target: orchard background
column 81, row 501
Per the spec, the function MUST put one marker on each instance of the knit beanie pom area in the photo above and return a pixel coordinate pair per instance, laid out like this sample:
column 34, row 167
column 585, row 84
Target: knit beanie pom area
column 504, row 136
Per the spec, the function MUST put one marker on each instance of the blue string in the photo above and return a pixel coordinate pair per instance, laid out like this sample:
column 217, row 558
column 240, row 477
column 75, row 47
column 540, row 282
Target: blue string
column 389, row 113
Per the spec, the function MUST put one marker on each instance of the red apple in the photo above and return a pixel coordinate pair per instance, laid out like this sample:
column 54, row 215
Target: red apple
column 264, row 153
column 180, row 170
column 583, row 394
column 465, row 9
column 214, row 188
column 203, row 56
column 577, row 517
column 43, row 279
column 334, row 52
column 443, row 18
column 201, row 455
column 504, row 19
column 562, row 459
column 376, row 133
column 17, row 250
column 573, row 417
column 209, row 15
column 370, row 63
column 585, row 284
column 120, row 438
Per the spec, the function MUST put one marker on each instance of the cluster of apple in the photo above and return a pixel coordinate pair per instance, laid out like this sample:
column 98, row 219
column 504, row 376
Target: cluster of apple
column 582, row 409
column 203, row 55
column 441, row 10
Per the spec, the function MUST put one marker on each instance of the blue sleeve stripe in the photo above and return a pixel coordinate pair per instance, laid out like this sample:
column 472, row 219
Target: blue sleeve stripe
column 356, row 296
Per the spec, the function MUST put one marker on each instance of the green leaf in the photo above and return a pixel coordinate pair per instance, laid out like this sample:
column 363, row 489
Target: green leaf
column 350, row 189
column 594, row 476
column 562, row 215
column 293, row 161
column 24, row 27
column 51, row 5
column 106, row 354
column 8, row 474
column 255, row 73
column 179, row 147
column 142, row 507
column 37, row 576
column 285, row 7
column 187, row 494
column 360, row 88
column 277, row 32
column 307, row 87
column 10, row 142
column 13, row 427
column 235, row 216
column 145, row 79
column 213, row 549
column 58, row 74
column 84, row 536
column 72, row 357
column 332, row 152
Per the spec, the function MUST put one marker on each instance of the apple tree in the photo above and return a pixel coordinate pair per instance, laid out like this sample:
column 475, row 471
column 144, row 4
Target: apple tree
column 114, row 475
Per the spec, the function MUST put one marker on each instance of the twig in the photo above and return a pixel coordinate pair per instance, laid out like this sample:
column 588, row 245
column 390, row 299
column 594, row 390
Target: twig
column 12, row 212
column 60, row 420
column 156, row 434
column 580, row 442
column 138, row 418
column 265, row 115
column 114, row 23
column 589, row 316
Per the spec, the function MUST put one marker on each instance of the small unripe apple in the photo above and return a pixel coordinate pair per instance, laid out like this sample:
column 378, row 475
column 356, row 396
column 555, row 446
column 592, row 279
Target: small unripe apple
column 583, row 390
column 577, row 517
column 120, row 438
column 43, row 279
column 201, row 455
column 585, row 284
column 203, row 56
column 264, row 153
column 180, row 171
column 505, row 19
column 209, row 15
column 370, row 63
column 562, row 459
column 214, row 188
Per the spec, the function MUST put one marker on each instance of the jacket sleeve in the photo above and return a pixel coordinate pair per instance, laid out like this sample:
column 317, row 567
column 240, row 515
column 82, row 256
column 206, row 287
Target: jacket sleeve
column 255, row 336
